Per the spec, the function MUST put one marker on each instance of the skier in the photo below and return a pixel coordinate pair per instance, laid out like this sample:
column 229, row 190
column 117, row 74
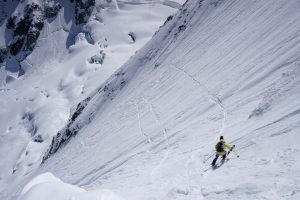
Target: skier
column 221, row 148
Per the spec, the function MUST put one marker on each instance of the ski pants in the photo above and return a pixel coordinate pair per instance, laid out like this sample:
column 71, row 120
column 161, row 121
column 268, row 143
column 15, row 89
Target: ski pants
column 216, row 158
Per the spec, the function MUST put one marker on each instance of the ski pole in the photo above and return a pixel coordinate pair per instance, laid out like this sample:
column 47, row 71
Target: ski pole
column 208, row 158
column 236, row 153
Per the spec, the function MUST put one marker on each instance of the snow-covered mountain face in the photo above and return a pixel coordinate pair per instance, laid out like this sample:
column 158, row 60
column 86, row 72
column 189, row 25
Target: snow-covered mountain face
column 215, row 68
column 53, row 55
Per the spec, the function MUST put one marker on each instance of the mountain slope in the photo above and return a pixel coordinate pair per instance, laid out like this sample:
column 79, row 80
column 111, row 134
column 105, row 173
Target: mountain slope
column 216, row 68
column 226, row 68
column 68, row 61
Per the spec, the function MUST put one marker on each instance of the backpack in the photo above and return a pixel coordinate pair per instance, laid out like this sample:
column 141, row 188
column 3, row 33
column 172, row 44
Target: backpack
column 220, row 147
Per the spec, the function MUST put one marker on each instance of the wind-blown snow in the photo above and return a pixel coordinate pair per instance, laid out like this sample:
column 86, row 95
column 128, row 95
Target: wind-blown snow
column 216, row 68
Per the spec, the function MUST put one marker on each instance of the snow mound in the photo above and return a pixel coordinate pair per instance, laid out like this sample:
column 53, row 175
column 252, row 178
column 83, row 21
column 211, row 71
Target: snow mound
column 47, row 187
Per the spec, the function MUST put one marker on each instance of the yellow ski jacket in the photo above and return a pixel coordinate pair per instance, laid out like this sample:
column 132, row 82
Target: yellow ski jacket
column 225, row 146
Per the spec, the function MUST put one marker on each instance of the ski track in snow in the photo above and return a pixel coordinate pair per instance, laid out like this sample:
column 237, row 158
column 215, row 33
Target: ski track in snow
column 94, row 175
column 158, row 122
column 143, row 134
column 212, row 97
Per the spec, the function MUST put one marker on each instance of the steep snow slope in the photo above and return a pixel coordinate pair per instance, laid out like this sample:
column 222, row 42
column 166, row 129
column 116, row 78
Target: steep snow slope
column 67, row 62
column 227, row 68
column 216, row 68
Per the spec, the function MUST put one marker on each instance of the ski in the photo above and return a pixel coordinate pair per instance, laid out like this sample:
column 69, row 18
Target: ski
column 219, row 164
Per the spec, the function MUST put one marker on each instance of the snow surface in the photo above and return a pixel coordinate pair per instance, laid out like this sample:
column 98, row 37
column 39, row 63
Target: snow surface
column 217, row 68
column 57, row 77
column 48, row 187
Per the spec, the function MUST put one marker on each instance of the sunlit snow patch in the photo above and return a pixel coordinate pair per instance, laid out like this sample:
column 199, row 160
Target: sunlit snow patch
column 48, row 187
